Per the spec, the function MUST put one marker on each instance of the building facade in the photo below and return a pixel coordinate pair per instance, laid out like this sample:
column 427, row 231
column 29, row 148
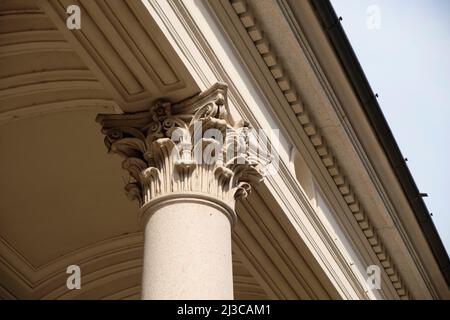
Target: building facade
column 255, row 159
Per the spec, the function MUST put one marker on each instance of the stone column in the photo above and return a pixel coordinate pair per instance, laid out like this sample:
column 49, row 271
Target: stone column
column 188, row 165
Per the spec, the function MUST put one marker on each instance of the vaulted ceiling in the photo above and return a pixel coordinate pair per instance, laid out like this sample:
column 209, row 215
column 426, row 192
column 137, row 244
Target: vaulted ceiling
column 61, row 194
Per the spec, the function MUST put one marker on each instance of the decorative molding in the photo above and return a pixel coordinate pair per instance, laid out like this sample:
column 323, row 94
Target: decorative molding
column 246, row 287
column 112, row 260
column 318, row 245
column 123, row 48
column 383, row 181
column 262, row 44
column 168, row 150
column 60, row 106
column 25, row 281
column 39, row 70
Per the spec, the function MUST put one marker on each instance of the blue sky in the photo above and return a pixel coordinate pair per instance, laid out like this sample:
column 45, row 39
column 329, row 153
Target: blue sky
column 405, row 53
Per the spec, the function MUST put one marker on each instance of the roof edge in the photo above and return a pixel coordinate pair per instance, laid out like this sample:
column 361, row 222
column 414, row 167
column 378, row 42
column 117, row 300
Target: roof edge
column 336, row 36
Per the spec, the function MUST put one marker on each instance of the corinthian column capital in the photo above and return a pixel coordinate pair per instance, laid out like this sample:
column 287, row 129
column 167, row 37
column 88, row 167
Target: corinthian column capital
column 187, row 149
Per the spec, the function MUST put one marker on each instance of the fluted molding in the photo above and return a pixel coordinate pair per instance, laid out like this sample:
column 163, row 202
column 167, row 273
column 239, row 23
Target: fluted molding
column 172, row 150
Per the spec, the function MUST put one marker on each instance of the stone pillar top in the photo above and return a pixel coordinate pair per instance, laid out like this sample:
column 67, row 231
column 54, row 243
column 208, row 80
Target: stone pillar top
column 186, row 149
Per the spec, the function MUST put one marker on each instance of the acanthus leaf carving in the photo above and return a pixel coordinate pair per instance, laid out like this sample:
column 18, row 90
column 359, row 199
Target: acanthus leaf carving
column 170, row 149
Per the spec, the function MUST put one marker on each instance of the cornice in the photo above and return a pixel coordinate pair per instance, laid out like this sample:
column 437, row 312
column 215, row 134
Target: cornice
column 378, row 151
column 316, row 138
column 295, row 210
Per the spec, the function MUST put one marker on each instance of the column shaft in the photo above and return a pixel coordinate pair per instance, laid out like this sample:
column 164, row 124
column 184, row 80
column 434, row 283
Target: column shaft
column 187, row 252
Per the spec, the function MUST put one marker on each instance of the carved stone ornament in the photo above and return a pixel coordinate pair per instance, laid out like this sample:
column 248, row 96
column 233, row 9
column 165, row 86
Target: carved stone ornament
column 184, row 148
